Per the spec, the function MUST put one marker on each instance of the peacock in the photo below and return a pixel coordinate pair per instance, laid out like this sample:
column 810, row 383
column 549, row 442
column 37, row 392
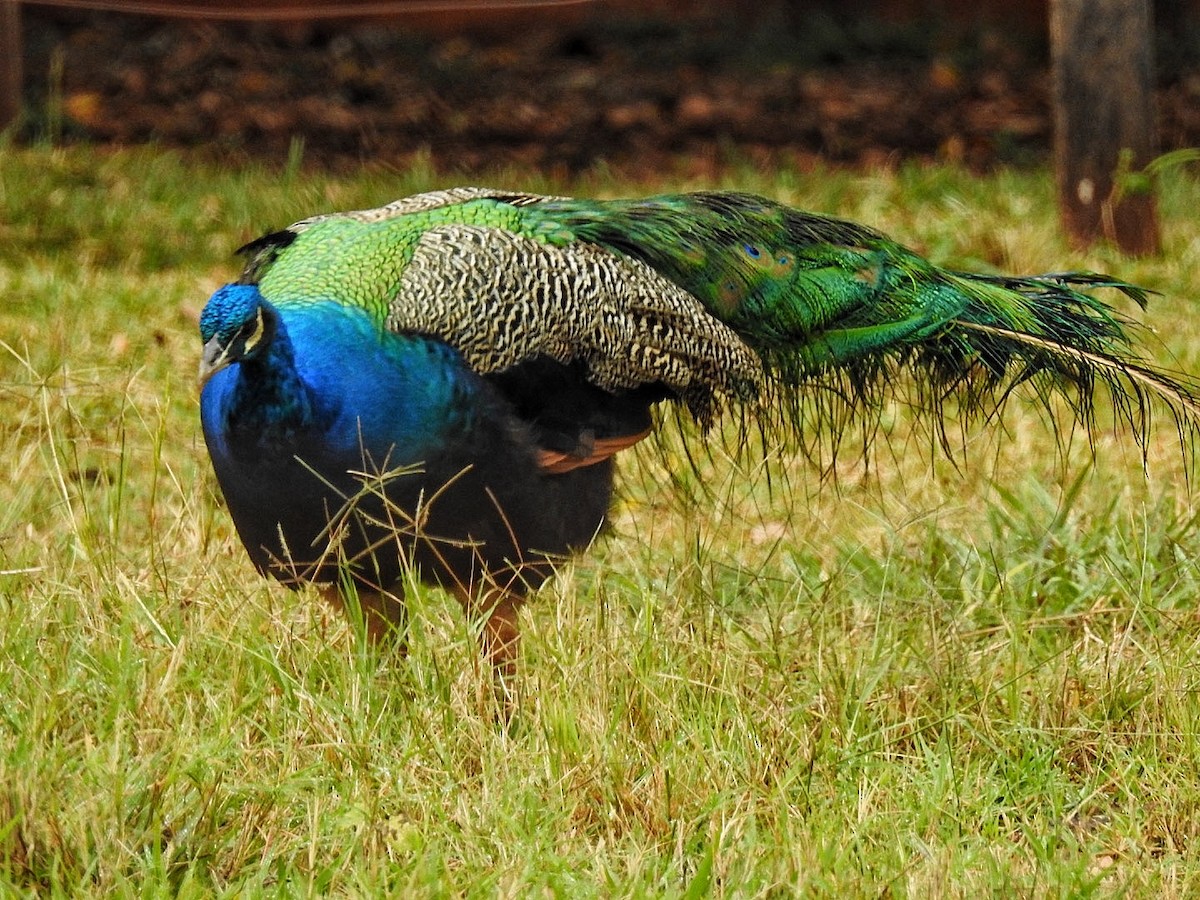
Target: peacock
column 440, row 385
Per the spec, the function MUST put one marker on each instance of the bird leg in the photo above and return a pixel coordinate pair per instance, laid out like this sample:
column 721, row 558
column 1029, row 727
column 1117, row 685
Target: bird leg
column 383, row 613
column 500, row 637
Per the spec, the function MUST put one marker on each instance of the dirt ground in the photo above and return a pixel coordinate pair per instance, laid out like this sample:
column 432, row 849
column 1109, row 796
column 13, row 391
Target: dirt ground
column 641, row 97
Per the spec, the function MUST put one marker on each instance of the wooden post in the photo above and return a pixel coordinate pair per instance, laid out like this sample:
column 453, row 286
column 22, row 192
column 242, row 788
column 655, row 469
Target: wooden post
column 1104, row 128
column 10, row 62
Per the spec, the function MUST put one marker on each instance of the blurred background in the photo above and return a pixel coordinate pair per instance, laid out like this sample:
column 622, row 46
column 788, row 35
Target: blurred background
column 672, row 87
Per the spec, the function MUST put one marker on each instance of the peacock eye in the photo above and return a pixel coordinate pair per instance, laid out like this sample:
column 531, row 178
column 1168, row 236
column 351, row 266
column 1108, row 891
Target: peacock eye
column 253, row 332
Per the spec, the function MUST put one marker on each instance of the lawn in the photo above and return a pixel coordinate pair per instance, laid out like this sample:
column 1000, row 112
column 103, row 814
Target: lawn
column 915, row 676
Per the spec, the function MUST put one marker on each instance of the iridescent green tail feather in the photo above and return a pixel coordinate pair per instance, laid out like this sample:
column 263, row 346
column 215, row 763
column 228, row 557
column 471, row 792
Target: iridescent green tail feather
column 824, row 301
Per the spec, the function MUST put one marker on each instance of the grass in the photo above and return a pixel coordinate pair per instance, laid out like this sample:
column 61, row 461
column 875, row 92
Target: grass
column 923, row 678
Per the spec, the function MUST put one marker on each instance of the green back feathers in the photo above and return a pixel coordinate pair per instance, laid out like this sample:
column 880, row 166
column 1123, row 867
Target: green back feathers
column 360, row 258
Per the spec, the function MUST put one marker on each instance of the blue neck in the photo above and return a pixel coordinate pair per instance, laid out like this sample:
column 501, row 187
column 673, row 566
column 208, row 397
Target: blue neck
column 333, row 381
column 270, row 399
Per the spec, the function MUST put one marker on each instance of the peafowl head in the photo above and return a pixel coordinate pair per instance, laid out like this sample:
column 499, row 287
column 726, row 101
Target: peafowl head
column 237, row 324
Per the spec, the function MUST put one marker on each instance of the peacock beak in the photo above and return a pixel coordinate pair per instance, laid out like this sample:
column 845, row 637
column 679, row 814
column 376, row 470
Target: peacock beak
column 213, row 359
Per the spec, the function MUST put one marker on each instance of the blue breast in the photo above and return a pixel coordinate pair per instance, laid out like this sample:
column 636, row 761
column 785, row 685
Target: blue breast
column 350, row 385
column 335, row 395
